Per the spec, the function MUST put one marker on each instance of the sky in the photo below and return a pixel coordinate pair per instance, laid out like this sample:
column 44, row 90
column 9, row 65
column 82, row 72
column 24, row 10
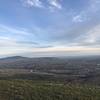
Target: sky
column 36, row 28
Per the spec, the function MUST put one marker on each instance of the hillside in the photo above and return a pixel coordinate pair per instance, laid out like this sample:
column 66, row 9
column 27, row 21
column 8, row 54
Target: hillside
column 39, row 90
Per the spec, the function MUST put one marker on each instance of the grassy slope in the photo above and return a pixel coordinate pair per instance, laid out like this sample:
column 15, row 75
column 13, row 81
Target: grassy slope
column 36, row 90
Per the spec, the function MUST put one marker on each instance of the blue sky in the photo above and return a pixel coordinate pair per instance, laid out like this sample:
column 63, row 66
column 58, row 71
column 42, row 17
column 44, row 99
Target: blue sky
column 49, row 27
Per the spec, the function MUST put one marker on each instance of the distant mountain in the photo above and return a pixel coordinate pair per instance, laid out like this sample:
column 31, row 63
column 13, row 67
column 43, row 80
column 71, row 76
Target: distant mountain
column 25, row 62
column 46, row 63
column 13, row 58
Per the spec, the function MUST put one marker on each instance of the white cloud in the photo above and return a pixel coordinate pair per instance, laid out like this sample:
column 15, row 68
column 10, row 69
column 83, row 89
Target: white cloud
column 95, row 5
column 93, row 36
column 6, row 29
column 52, row 5
column 88, row 12
column 9, row 45
column 77, row 18
column 12, row 39
column 55, row 4
column 33, row 3
column 9, row 42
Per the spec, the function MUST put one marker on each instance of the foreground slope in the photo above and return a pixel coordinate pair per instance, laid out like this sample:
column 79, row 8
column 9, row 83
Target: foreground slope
column 35, row 90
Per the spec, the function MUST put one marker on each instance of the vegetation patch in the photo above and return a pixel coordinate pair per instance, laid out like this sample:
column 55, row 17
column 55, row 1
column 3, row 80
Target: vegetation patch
column 39, row 90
